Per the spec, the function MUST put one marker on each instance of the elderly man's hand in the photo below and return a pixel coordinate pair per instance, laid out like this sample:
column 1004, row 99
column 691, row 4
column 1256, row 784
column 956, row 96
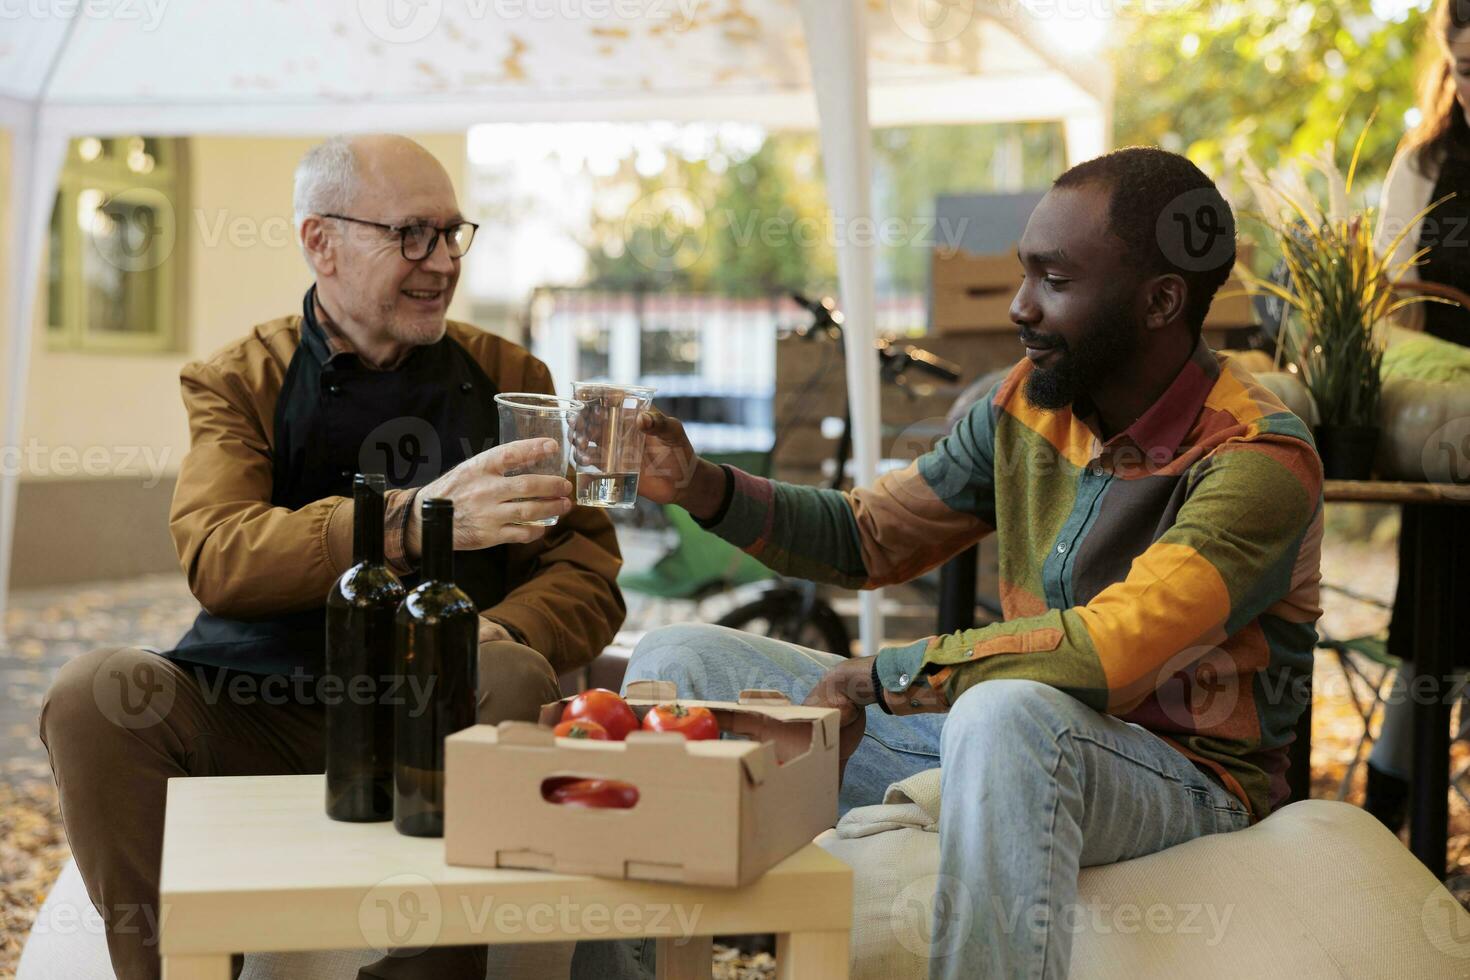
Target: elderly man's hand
column 848, row 687
column 488, row 503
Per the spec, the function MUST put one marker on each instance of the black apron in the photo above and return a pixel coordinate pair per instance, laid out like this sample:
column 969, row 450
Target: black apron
column 334, row 418
column 1446, row 234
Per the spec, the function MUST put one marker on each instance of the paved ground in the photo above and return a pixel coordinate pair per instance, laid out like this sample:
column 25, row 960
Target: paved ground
column 46, row 628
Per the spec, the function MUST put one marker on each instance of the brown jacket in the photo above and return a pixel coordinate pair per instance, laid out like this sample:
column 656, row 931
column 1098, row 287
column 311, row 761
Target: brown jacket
column 246, row 558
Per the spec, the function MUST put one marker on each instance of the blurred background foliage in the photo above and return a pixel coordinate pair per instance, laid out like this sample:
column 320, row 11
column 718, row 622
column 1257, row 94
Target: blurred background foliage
column 1212, row 80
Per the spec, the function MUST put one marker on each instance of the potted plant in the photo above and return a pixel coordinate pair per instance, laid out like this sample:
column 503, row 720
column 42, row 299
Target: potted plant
column 1337, row 295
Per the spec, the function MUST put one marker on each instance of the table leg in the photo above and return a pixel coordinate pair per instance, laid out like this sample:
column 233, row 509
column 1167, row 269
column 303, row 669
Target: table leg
column 1431, row 683
column 1299, row 753
column 208, row 966
column 685, row 959
column 812, row 955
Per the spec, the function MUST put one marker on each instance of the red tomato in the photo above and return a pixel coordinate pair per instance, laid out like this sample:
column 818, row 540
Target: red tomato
column 610, row 794
column 693, row 723
column 605, row 708
column 581, row 728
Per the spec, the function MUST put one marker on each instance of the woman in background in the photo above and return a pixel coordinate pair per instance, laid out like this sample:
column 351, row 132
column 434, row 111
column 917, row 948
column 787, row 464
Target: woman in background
column 1432, row 163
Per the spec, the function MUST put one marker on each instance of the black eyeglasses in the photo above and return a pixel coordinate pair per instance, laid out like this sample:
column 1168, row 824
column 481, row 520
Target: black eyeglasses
column 417, row 242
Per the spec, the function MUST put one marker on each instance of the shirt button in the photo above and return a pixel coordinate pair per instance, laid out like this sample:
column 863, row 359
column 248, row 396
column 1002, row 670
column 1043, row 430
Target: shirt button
column 1062, row 548
column 346, row 474
column 466, row 387
column 903, row 680
column 334, row 389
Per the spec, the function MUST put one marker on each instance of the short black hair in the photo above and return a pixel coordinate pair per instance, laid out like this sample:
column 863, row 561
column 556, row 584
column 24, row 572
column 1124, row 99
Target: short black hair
column 1171, row 217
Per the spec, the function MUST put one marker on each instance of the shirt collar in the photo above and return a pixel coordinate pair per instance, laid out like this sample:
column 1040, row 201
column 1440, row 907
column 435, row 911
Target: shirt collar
column 1168, row 420
column 1161, row 429
column 328, row 342
column 312, row 334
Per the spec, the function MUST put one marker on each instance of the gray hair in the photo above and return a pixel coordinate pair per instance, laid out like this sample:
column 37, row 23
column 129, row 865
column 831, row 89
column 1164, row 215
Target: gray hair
column 326, row 179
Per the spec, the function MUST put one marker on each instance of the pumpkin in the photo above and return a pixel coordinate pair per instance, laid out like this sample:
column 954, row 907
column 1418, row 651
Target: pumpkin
column 1426, row 431
column 1293, row 393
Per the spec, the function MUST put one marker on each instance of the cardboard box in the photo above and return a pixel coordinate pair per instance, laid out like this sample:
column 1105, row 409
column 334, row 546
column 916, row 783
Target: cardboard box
column 972, row 293
column 716, row 812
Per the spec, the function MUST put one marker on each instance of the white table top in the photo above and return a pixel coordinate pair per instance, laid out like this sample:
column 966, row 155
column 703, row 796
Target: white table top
column 252, row 863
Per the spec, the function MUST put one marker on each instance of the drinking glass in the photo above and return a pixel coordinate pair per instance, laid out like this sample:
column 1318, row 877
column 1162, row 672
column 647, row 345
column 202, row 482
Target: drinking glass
column 526, row 415
column 608, row 442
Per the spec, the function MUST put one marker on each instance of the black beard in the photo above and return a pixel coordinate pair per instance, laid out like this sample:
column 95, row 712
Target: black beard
column 1094, row 356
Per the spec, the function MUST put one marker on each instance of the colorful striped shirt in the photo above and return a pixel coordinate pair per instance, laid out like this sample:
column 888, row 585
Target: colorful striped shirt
column 1167, row 575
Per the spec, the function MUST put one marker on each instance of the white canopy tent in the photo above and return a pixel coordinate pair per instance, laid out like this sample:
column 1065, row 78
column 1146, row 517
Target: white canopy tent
column 179, row 67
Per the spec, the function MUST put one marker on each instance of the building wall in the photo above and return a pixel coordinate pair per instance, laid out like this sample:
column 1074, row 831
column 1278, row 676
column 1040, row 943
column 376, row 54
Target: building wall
column 120, row 414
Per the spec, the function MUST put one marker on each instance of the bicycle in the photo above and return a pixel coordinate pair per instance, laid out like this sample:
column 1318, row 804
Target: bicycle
column 792, row 609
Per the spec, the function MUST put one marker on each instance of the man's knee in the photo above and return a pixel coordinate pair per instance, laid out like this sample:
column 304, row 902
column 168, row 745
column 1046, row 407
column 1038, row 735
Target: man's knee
column 515, row 681
column 997, row 712
column 677, row 646
column 104, row 693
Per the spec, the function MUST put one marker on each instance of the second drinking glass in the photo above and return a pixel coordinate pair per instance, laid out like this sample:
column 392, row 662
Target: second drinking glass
column 608, row 443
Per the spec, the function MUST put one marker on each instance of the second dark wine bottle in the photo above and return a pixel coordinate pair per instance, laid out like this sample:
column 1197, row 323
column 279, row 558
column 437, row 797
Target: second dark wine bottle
column 438, row 649
column 360, row 658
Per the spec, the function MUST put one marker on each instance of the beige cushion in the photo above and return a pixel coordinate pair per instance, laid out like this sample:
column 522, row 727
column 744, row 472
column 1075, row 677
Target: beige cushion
column 1319, row 889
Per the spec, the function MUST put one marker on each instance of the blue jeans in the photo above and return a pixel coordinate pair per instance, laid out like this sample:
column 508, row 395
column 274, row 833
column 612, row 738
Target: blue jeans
column 1036, row 786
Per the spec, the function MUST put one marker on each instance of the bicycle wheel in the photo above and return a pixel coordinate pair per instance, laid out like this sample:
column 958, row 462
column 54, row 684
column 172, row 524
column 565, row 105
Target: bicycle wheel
column 777, row 614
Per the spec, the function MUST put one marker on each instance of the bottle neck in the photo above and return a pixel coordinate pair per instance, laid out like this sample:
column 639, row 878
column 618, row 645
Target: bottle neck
column 437, row 549
column 367, row 529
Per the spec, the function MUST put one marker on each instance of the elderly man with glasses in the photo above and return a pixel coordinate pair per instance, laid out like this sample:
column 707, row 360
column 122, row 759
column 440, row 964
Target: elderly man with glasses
column 369, row 376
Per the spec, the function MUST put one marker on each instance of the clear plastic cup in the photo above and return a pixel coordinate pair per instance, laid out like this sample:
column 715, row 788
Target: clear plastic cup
column 609, row 443
column 526, row 415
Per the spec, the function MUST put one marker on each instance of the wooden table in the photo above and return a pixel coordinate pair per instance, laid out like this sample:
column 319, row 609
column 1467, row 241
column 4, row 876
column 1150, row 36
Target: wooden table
column 252, row 864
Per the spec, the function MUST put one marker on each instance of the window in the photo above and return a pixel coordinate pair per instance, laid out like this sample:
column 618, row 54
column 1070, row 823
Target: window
column 115, row 246
column 669, row 352
column 593, row 357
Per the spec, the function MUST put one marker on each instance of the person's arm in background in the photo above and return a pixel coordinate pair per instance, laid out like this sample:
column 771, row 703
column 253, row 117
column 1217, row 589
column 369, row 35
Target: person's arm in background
column 1406, row 192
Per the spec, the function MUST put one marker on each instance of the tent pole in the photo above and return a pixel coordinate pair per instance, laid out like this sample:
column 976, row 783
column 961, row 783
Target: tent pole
column 36, row 158
column 837, row 43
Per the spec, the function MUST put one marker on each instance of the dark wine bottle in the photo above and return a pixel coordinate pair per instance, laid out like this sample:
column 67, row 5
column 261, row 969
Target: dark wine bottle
column 438, row 652
column 361, row 661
